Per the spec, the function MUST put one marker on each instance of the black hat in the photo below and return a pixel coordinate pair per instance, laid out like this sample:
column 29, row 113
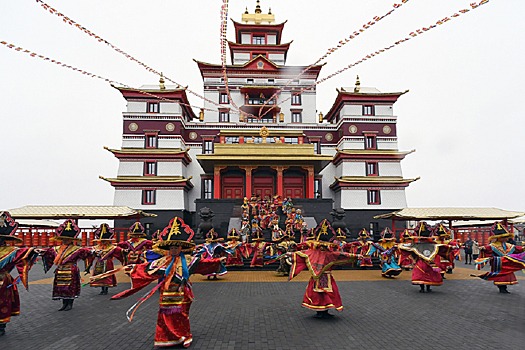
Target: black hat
column 104, row 233
column 68, row 230
column 136, row 230
column 387, row 234
column 324, row 234
column 441, row 231
column 8, row 227
column 423, row 229
column 233, row 234
column 364, row 234
column 498, row 231
column 213, row 236
column 176, row 233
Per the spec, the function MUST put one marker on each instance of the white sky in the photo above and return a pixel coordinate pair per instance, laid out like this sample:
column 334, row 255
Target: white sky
column 463, row 114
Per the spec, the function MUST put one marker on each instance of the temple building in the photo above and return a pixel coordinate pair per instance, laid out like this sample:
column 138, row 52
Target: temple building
column 259, row 133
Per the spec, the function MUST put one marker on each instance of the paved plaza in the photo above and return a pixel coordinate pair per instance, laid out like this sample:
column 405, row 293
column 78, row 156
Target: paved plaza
column 257, row 310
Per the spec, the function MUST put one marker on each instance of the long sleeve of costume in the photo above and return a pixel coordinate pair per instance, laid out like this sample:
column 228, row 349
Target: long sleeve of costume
column 322, row 292
column 504, row 260
column 10, row 258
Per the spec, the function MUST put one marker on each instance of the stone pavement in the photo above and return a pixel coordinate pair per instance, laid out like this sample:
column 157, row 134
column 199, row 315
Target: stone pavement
column 256, row 310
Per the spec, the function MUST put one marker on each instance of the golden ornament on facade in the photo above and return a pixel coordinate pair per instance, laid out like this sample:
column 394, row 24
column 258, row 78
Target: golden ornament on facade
column 329, row 136
column 133, row 127
column 193, row 135
column 387, row 129
column 264, row 133
column 352, row 129
column 170, row 127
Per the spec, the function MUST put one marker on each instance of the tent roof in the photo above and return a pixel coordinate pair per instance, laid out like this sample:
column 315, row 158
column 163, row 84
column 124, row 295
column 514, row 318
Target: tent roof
column 450, row 214
column 76, row 212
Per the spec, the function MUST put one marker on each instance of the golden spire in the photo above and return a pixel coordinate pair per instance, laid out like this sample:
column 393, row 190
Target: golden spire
column 258, row 17
column 161, row 82
column 357, row 85
column 321, row 116
column 201, row 115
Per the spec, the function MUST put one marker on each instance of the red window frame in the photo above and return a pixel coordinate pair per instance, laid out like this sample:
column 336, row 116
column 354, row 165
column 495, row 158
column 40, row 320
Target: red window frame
column 146, row 168
column 147, row 143
column 374, row 197
column 372, row 168
column 150, row 104
column 145, row 199
column 369, row 110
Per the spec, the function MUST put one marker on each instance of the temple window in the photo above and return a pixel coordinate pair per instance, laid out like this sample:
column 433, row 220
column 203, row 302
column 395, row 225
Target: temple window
column 207, row 188
column 207, row 147
column 148, row 197
column 297, row 117
column 263, row 120
column 370, row 142
column 317, row 147
column 271, row 81
column 258, row 40
column 291, row 140
column 249, row 81
column 372, row 169
column 374, row 197
column 224, row 116
column 151, row 141
column 150, row 168
column 231, row 139
column 368, row 110
column 153, row 107
column 223, row 98
column 296, row 99
column 318, row 188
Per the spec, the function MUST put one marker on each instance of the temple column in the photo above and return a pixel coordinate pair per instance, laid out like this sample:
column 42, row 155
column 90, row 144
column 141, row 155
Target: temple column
column 280, row 182
column 310, row 181
column 248, row 170
column 217, row 181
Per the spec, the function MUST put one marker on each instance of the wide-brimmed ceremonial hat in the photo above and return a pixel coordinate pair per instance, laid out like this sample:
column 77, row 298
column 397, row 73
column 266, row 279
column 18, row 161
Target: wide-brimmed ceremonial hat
column 233, row 234
column 104, row 233
column 213, row 236
column 423, row 229
column 363, row 234
column 68, row 230
column 177, row 233
column 405, row 236
column 387, row 234
column 136, row 230
column 441, row 231
column 498, row 230
column 324, row 234
column 340, row 234
column 8, row 227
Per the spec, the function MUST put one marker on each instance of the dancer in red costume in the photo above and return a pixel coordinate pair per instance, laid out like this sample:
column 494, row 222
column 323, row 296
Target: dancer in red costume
column 321, row 254
column 103, row 254
column 11, row 257
column 173, row 272
column 66, row 284
column 427, row 255
column 494, row 253
column 136, row 245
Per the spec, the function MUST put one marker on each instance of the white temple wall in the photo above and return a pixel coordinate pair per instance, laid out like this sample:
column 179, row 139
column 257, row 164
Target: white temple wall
column 358, row 199
column 130, row 168
column 389, row 169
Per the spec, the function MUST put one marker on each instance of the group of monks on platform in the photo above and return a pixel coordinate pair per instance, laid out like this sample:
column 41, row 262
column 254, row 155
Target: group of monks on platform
column 171, row 257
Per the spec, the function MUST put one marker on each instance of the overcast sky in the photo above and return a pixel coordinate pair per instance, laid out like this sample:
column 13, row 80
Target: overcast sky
column 463, row 114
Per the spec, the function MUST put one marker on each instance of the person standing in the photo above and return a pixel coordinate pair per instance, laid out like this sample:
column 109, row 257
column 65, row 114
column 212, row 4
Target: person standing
column 136, row 245
column 493, row 254
column 467, row 247
column 321, row 253
column 475, row 250
column 66, row 283
column 103, row 254
column 11, row 257
column 173, row 273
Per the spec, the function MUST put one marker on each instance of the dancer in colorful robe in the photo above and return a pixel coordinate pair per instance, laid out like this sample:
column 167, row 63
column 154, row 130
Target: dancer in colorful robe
column 405, row 260
column 427, row 255
column 211, row 249
column 388, row 251
column 443, row 237
column 11, row 257
column 234, row 245
column 364, row 247
column 136, row 245
column 66, row 284
column 256, row 249
column 173, row 272
column 493, row 254
column 103, row 254
column 318, row 258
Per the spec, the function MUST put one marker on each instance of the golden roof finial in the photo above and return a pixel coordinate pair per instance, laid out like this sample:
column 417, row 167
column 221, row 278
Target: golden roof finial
column 161, row 82
column 246, row 12
column 269, row 10
column 357, row 85
column 258, row 7
column 258, row 17
column 321, row 116
column 201, row 115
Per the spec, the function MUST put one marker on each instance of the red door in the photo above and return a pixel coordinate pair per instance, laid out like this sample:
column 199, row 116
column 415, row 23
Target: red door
column 232, row 187
column 263, row 186
column 294, row 186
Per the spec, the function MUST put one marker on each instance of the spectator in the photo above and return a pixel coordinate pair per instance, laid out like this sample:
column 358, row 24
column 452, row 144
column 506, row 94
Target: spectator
column 475, row 250
column 467, row 246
